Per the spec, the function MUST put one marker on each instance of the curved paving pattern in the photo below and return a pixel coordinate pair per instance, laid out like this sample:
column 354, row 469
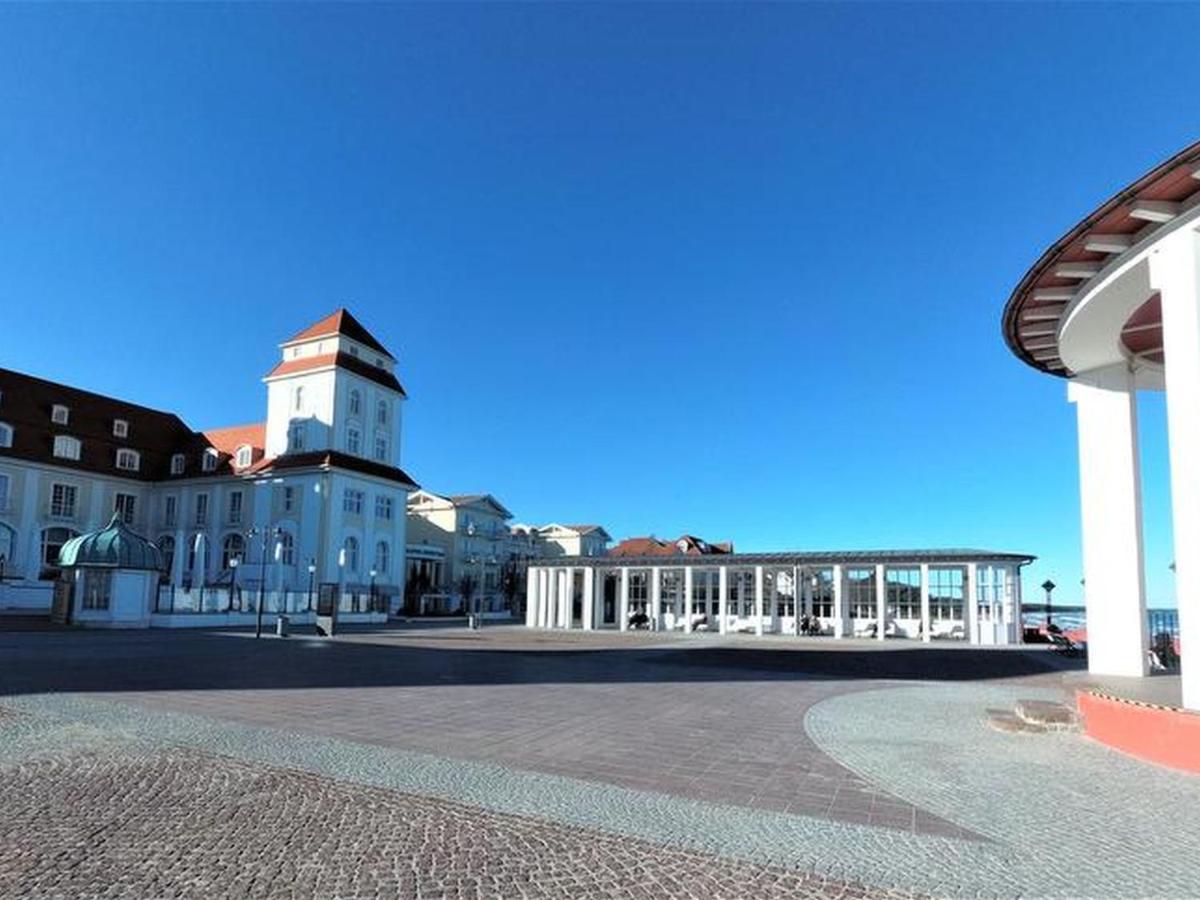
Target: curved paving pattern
column 1064, row 815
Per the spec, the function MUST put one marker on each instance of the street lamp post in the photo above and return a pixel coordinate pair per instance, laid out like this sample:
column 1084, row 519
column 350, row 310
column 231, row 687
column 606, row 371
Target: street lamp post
column 198, row 552
column 312, row 574
column 1048, row 586
column 234, row 562
column 265, row 534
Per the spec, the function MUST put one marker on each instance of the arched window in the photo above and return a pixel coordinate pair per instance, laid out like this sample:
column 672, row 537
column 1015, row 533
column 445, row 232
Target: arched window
column 286, row 548
column 355, row 402
column 129, row 460
column 8, row 547
column 233, row 547
column 210, row 459
column 299, row 403
column 6, row 434
column 351, row 551
column 166, row 546
column 381, row 412
column 245, row 456
column 383, row 557
column 192, row 563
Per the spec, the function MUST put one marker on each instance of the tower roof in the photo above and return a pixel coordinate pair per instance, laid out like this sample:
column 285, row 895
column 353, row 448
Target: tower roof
column 343, row 323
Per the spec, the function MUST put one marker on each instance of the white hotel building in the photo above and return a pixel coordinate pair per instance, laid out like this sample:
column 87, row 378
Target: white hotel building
column 317, row 486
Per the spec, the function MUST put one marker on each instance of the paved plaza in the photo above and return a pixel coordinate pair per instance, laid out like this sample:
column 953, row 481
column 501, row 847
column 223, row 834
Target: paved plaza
column 442, row 762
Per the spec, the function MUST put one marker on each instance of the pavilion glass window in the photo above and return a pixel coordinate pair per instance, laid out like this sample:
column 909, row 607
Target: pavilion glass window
column 904, row 593
column 860, row 593
column 822, row 593
column 97, row 588
column 946, row 594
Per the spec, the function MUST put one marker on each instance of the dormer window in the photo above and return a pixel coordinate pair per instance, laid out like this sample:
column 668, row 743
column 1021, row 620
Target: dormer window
column 177, row 464
column 66, row 447
column 6, row 435
column 209, row 461
column 129, row 460
column 245, row 456
column 120, row 428
column 60, row 415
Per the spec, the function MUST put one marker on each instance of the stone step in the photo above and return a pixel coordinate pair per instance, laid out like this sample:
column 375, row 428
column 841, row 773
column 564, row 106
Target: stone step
column 1049, row 715
column 1009, row 723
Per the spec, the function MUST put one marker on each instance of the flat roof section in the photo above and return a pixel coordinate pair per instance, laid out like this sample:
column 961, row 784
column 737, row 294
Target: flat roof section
column 790, row 558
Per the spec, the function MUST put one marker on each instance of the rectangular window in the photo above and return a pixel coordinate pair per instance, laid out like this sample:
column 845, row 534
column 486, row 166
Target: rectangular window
column 352, row 502
column 296, row 438
column 170, row 511
column 66, row 447
column 381, row 448
column 383, row 507
column 177, row 463
column 60, row 415
column 353, row 441
column 904, row 593
column 860, row 588
column 125, row 507
column 62, row 501
column 120, row 428
column 235, row 508
column 97, row 588
column 202, row 509
column 289, row 499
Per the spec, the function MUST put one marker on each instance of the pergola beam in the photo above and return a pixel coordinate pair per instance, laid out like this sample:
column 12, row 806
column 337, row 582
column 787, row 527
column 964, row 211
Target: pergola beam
column 1108, row 243
column 1083, row 269
column 1154, row 210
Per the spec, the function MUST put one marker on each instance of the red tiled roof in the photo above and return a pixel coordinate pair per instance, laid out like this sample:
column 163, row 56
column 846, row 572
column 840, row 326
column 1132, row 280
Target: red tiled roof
column 343, row 361
column 343, row 323
column 652, row 546
column 230, row 438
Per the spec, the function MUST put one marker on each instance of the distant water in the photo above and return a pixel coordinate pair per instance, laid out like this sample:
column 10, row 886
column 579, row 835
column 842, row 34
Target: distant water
column 1070, row 618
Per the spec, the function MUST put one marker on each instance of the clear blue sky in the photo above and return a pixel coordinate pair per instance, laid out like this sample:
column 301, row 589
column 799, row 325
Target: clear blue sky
column 734, row 270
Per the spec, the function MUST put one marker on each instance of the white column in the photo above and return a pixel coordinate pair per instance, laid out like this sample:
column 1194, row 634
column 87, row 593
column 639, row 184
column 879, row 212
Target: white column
column 687, row 599
column 723, row 598
column 623, row 599
column 588, row 617
column 839, row 603
column 971, row 602
column 1111, row 515
column 546, row 602
column 566, row 598
column 926, row 619
column 773, row 609
column 1175, row 272
column 1016, row 624
column 656, row 598
column 758, row 600
column 531, row 596
column 880, row 602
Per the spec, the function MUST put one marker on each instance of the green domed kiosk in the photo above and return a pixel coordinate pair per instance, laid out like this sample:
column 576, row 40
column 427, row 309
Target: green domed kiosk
column 110, row 578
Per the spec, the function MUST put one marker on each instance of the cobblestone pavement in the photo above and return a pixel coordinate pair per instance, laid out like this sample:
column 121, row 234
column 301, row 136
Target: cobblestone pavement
column 644, row 760
column 155, row 823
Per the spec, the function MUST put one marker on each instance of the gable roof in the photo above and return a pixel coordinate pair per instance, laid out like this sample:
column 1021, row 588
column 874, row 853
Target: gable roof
column 480, row 500
column 341, row 322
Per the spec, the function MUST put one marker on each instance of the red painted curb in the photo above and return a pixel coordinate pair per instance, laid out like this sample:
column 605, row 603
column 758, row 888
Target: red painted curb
column 1159, row 734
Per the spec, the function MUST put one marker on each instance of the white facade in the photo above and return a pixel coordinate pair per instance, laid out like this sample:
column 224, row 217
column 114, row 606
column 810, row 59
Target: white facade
column 471, row 531
column 1114, row 307
column 308, row 511
column 925, row 596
